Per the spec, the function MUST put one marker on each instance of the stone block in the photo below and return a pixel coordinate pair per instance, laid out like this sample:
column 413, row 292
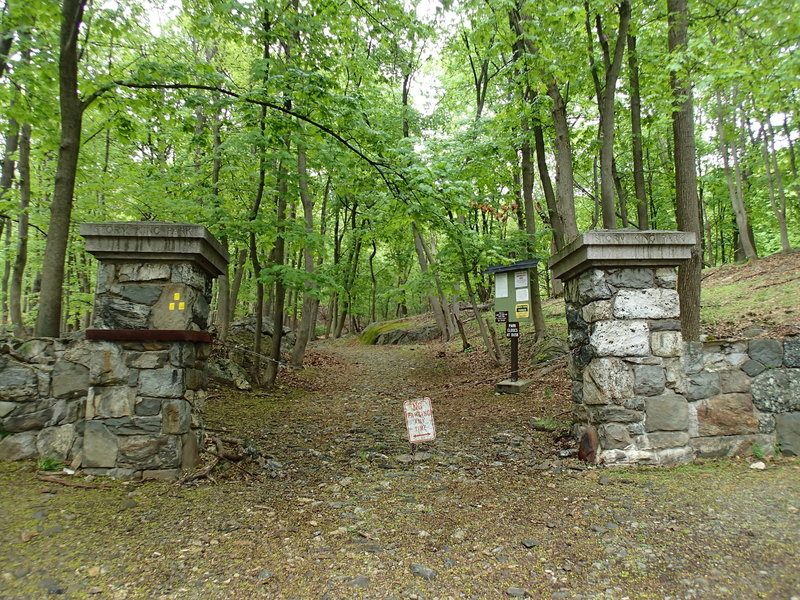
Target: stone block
column 148, row 407
column 753, row 367
column 726, row 414
column 729, row 445
column 702, row 385
column 614, row 435
column 668, row 344
column 674, row 373
column 29, row 416
column 649, row 380
column 107, row 364
column 777, row 390
column 38, row 351
column 145, row 452
column 99, row 446
column 734, row 380
column 17, row 381
column 791, row 352
column 591, row 286
column 667, row 278
column 766, row 422
column 144, row 272
column 176, row 416
column 616, row 414
column 787, row 433
column 56, row 442
column 147, row 360
column 664, row 439
column 631, row 278
column 6, row 408
column 768, row 352
column 200, row 312
column 139, row 293
column 183, row 354
column 115, row 401
column 692, row 357
column 634, row 403
column 670, row 457
column 667, row 412
column 654, row 303
column 606, row 380
column 20, row 446
column 166, row 382
column 133, row 425
column 191, row 275
column 597, row 311
column 512, row 387
column 664, row 325
column 167, row 314
column 106, row 278
column 111, row 312
column 620, row 338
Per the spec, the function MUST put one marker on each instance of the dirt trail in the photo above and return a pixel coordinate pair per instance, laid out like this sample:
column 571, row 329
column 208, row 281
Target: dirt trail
column 335, row 507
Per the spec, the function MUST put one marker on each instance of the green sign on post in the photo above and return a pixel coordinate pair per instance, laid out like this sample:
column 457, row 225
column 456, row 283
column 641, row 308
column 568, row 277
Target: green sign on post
column 512, row 289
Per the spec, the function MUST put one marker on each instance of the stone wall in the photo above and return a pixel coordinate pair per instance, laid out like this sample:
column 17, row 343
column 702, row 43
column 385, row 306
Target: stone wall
column 43, row 388
column 124, row 409
column 626, row 345
column 743, row 395
column 126, row 400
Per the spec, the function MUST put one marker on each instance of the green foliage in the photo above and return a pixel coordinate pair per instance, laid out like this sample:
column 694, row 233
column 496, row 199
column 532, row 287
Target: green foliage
column 48, row 463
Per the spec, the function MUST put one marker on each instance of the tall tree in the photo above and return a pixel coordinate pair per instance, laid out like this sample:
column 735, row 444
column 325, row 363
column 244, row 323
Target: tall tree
column 686, row 209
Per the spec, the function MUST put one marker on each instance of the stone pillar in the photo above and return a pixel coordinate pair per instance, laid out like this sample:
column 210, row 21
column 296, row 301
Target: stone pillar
column 148, row 361
column 623, row 317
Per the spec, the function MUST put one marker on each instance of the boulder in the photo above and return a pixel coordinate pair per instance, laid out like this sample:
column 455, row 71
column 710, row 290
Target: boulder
column 21, row 446
column 56, row 442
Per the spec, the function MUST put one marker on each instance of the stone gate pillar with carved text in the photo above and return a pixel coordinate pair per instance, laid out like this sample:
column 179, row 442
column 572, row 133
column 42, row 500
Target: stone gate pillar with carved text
column 623, row 317
column 150, row 346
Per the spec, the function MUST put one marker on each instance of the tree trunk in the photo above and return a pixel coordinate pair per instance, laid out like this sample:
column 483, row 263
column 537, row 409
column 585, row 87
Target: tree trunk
column 278, row 258
column 636, row 133
column 49, row 318
column 433, row 298
column 310, row 303
column 735, row 192
column 15, row 300
column 781, row 213
column 613, row 65
column 778, row 210
column 687, row 213
column 530, row 229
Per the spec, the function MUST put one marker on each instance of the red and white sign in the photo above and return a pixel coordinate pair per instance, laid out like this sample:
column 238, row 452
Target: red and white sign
column 419, row 420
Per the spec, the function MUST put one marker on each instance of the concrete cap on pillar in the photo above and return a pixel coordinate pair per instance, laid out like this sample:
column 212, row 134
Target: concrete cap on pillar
column 155, row 241
column 622, row 248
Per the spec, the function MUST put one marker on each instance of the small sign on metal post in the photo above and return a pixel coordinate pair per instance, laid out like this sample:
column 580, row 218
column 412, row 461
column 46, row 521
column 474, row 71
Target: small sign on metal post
column 419, row 420
column 501, row 316
column 512, row 329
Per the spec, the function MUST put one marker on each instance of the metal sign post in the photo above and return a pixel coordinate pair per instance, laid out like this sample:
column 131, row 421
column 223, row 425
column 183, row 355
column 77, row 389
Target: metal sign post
column 512, row 333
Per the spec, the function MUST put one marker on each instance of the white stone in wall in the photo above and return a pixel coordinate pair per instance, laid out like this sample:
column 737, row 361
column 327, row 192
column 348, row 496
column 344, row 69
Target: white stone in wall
column 597, row 311
column 646, row 304
column 620, row 338
column 605, row 380
column 143, row 272
column 667, row 343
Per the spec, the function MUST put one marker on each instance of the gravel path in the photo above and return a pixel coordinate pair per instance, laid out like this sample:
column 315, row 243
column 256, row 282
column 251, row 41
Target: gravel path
column 335, row 506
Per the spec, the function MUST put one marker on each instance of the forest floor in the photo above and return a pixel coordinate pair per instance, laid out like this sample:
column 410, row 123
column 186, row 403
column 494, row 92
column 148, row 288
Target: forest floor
column 333, row 504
